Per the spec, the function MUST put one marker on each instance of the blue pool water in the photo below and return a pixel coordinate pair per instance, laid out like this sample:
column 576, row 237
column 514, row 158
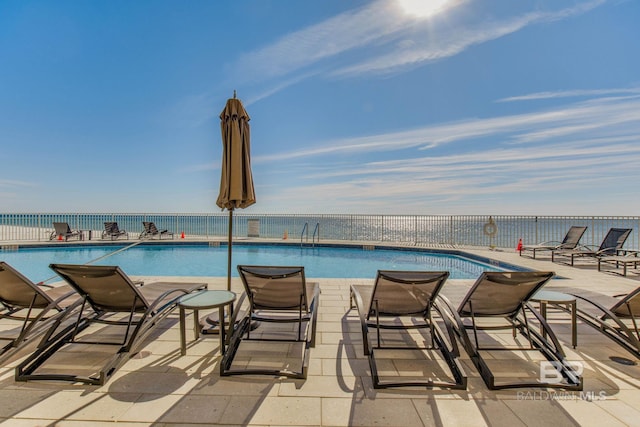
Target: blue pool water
column 202, row 260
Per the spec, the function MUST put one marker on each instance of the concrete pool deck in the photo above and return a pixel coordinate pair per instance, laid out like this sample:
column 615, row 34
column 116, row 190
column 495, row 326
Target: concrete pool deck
column 161, row 388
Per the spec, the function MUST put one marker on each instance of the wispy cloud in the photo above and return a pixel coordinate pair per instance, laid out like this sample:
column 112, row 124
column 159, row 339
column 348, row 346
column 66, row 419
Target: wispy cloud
column 8, row 183
column 384, row 26
column 566, row 121
column 571, row 94
column 332, row 37
column 575, row 149
column 455, row 40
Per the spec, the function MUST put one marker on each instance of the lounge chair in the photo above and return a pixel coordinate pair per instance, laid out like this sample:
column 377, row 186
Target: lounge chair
column 27, row 310
column 62, row 229
column 611, row 245
column 404, row 301
column 151, row 231
column 110, row 298
column 112, row 231
column 629, row 259
column 570, row 241
column 499, row 300
column 620, row 321
column 275, row 294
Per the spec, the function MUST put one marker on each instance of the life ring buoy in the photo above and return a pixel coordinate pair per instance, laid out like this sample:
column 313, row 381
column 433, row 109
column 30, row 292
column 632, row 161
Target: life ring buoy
column 490, row 229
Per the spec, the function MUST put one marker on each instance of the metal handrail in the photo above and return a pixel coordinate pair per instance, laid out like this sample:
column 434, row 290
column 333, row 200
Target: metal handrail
column 316, row 230
column 305, row 228
column 415, row 230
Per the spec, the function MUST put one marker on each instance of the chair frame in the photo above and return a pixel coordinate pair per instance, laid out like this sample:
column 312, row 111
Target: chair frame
column 555, row 245
column 370, row 318
column 63, row 229
column 517, row 321
column 590, row 251
column 142, row 317
column 305, row 311
column 611, row 324
column 112, row 231
column 41, row 311
column 151, row 230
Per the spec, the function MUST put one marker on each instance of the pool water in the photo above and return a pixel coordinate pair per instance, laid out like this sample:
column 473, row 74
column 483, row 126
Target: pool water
column 201, row 260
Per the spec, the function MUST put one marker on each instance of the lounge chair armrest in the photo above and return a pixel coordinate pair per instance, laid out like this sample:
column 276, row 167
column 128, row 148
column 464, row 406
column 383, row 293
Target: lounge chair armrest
column 237, row 309
column 605, row 250
column 448, row 317
column 362, row 313
column 592, row 248
column 456, row 322
column 550, row 243
column 608, row 314
column 546, row 327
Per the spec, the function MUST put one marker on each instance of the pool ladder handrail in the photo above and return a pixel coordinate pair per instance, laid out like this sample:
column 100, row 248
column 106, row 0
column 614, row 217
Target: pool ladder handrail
column 316, row 231
column 305, row 228
column 305, row 233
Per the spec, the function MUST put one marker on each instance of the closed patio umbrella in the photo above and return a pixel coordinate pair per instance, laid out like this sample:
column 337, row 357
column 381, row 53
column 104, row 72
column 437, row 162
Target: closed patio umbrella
column 236, row 181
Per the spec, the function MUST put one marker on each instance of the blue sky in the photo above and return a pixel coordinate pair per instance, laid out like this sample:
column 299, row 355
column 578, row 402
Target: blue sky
column 480, row 107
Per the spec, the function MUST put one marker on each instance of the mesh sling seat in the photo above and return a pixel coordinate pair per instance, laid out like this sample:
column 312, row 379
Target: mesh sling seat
column 501, row 299
column 570, row 241
column 62, row 229
column 112, row 231
column 151, row 231
column 275, row 294
column 405, row 301
column 611, row 245
column 115, row 314
column 619, row 322
column 27, row 310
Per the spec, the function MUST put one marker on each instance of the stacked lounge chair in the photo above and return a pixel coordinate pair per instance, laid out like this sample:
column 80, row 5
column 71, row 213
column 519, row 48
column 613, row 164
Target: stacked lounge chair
column 150, row 231
column 277, row 294
column 611, row 245
column 402, row 301
column 500, row 300
column 127, row 311
column 27, row 309
column 570, row 242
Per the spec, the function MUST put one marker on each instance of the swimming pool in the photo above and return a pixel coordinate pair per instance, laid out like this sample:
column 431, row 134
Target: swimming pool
column 204, row 260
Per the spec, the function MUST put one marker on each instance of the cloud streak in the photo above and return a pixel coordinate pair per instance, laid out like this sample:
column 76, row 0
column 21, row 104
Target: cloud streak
column 382, row 25
column 572, row 120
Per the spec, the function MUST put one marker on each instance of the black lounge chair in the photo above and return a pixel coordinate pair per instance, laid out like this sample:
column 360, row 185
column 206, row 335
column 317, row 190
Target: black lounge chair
column 112, row 231
column 501, row 300
column 402, row 301
column 611, row 245
column 151, row 231
column 28, row 309
column 275, row 294
column 62, row 230
column 570, row 241
column 110, row 298
column 619, row 322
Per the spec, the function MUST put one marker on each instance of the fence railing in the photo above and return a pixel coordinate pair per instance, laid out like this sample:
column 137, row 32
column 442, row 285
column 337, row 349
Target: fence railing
column 424, row 230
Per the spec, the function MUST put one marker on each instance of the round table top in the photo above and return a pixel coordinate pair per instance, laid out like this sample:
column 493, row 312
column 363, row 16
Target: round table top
column 552, row 296
column 206, row 299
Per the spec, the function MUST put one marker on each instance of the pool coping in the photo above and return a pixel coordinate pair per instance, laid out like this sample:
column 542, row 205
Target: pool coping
column 218, row 243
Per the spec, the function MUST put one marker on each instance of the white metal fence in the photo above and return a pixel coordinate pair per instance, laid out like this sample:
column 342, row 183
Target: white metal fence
column 424, row 230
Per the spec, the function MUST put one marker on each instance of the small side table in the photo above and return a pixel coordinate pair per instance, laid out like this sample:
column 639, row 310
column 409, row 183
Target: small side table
column 554, row 298
column 200, row 301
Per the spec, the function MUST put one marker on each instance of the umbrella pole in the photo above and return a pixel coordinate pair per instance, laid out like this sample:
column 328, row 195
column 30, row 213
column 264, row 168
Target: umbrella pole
column 229, row 247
